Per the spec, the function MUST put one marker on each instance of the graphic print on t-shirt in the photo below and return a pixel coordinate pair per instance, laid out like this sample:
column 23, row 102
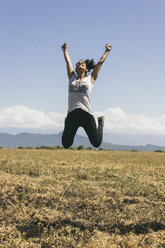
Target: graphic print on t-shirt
column 78, row 87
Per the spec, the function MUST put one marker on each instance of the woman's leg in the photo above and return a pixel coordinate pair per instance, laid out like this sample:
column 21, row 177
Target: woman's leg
column 70, row 130
column 95, row 134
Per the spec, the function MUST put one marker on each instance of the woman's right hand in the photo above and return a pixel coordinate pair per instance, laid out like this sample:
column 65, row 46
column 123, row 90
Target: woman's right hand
column 64, row 47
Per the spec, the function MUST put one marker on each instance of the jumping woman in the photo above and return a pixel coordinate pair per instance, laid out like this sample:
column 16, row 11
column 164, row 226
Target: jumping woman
column 79, row 109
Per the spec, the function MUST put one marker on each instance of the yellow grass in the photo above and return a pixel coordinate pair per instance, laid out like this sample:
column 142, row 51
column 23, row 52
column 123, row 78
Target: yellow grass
column 87, row 199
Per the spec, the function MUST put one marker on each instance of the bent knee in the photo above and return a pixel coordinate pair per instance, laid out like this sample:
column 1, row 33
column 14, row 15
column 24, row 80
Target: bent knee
column 96, row 145
column 66, row 144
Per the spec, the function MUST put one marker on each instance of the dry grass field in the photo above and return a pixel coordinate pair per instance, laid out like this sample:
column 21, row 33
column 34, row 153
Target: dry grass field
column 87, row 199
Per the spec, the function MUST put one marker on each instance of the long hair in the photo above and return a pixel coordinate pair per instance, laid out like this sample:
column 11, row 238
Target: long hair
column 90, row 64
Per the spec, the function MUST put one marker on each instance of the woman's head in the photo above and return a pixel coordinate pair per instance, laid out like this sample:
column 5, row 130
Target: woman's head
column 86, row 65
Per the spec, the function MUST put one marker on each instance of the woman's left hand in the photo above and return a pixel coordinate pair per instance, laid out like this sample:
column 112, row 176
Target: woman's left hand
column 108, row 47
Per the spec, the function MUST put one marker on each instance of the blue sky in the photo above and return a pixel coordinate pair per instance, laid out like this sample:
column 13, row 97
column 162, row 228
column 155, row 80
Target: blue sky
column 33, row 78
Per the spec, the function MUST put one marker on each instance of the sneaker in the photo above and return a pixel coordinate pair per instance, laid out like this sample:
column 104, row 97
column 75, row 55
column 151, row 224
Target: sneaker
column 101, row 120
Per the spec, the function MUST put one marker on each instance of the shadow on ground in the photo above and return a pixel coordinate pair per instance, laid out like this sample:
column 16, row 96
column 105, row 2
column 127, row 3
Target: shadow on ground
column 36, row 227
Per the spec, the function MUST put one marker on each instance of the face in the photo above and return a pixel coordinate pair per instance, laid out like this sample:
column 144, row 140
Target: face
column 81, row 65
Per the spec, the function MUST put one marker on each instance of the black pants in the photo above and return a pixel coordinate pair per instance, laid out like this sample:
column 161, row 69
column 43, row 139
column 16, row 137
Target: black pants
column 79, row 118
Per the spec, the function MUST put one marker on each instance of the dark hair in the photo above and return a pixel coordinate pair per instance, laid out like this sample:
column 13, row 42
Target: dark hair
column 90, row 64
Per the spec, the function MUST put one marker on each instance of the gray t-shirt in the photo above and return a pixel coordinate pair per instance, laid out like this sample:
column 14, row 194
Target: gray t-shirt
column 79, row 93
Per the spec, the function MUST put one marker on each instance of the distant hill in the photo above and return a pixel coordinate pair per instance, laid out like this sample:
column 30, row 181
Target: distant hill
column 36, row 140
column 134, row 139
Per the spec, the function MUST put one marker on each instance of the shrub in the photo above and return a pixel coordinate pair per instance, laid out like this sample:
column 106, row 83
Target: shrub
column 158, row 151
column 80, row 148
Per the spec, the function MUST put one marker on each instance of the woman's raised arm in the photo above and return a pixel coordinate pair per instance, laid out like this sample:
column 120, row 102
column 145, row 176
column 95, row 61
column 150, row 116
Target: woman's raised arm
column 70, row 70
column 96, row 70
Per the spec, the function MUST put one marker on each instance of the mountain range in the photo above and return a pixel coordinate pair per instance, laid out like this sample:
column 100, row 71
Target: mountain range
column 36, row 140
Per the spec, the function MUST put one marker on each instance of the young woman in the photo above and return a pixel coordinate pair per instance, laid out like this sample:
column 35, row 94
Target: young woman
column 79, row 109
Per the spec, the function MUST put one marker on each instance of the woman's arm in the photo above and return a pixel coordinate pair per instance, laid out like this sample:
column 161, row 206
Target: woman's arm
column 70, row 70
column 96, row 70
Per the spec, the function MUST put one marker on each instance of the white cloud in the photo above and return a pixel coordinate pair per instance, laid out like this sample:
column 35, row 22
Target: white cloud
column 23, row 117
column 116, row 120
column 119, row 122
